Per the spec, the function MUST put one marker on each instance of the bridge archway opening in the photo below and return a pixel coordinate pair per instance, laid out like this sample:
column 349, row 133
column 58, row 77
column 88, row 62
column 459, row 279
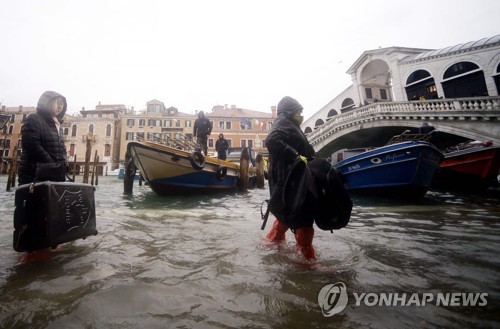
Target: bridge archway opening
column 376, row 81
column 347, row 105
column 331, row 113
column 464, row 79
column 497, row 78
column 319, row 122
column 420, row 83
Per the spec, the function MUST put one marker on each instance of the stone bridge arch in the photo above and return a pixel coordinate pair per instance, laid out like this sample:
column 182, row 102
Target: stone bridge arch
column 455, row 121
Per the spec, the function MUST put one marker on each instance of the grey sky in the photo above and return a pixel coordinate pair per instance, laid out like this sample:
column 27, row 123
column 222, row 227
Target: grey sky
column 197, row 54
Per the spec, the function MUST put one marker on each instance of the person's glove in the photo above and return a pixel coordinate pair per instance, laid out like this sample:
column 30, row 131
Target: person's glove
column 303, row 158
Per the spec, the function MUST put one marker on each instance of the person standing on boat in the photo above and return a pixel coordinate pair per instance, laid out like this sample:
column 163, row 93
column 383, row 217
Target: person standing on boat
column 202, row 129
column 41, row 137
column 221, row 147
column 286, row 143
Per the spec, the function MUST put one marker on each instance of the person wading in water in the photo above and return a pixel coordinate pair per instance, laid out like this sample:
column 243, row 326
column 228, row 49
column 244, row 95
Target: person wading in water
column 287, row 143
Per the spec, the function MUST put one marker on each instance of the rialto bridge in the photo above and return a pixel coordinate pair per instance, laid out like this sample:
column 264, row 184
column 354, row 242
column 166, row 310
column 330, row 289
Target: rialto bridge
column 455, row 120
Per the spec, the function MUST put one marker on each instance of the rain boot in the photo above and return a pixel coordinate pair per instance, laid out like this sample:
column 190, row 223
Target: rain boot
column 277, row 233
column 304, row 237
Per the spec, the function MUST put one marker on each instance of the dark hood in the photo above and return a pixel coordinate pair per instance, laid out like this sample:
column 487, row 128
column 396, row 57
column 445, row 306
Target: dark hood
column 289, row 106
column 42, row 106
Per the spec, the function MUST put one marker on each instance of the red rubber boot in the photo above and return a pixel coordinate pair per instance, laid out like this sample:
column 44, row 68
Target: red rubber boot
column 304, row 237
column 277, row 233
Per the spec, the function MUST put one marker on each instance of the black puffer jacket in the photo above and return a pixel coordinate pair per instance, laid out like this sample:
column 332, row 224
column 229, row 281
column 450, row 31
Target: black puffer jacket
column 41, row 142
column 285, row 142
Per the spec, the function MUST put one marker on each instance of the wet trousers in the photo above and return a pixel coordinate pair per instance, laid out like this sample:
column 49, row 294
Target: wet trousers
column 303, row 237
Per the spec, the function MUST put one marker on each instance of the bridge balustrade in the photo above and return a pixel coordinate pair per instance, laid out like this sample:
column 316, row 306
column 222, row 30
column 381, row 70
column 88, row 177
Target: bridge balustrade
column 476, row 108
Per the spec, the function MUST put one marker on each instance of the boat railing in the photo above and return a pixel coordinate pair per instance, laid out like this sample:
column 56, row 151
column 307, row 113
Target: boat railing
column 405, row 137
column 179, row 142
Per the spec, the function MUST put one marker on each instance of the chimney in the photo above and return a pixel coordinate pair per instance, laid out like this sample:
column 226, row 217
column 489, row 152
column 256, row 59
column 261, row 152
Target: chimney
column 83, row 108
column 225, row 106
column 273, row 111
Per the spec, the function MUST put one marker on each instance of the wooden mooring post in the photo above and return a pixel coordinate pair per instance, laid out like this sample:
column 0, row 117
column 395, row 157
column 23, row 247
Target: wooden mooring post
column 11, row 178
column 129, row 173
column 74, row 168
column 259, row 163
column 244, row 165
column 88, row 151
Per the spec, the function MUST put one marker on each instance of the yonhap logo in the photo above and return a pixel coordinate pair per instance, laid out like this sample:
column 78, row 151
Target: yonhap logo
column 332, row 298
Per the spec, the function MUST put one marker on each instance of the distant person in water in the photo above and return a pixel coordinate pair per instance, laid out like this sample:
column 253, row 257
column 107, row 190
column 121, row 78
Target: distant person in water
column 202, row 129
column 221, row 147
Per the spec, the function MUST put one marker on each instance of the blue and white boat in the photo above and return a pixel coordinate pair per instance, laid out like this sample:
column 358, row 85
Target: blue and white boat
column 403, row 170
column 170, row 169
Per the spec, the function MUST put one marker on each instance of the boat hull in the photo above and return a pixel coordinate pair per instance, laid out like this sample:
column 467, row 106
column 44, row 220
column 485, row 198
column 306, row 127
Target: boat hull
column 402, row 170
column 170, row 171
column 469, row 169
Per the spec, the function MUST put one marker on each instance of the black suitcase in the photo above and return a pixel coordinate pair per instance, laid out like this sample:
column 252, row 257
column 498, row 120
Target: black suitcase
column 51, row 213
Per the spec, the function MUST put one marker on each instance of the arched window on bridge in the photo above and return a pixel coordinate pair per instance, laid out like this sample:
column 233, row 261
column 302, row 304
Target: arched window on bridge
column 420, row 83
column 331, row 113
column 347, row 105
column 497, row 78
column 308, row 130
column 318, row 123
column 464, row 79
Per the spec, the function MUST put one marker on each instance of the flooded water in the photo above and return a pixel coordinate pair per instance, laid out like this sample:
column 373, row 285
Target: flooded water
column 200, row 262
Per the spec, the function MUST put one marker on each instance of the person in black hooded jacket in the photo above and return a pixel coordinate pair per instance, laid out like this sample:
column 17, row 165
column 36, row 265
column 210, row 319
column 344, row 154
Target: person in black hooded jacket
column 286, row 142
column 201, row 130
column 41, row 139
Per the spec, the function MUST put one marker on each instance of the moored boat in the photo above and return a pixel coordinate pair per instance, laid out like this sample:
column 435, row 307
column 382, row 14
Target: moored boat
column 402, row 170
column 470, row 166
column 168, row 169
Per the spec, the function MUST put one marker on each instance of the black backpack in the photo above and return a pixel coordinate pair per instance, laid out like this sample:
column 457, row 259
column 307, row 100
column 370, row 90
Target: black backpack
column 312, row 193
column 334, row 205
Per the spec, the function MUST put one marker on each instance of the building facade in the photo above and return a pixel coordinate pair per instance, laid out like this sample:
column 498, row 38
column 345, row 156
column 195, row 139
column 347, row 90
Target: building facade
column 111, row 127
column 241, row 127
column 10, row 136
column 102, row 125
column 156, row 122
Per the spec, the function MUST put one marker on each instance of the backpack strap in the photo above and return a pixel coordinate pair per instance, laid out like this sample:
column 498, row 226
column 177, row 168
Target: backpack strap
column 264, row 216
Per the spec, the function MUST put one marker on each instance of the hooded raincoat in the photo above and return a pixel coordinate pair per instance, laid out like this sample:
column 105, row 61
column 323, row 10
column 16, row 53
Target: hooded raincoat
column 285, row 143
column 41, row 140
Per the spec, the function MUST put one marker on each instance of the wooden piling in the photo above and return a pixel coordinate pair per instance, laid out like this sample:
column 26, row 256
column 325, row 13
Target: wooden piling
column 129, row 173
column 11, row 178
column 93, row 169
column 96, row 162
column 259, row 162
column 74, row 167
column 244, row 165
column 88, row 151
